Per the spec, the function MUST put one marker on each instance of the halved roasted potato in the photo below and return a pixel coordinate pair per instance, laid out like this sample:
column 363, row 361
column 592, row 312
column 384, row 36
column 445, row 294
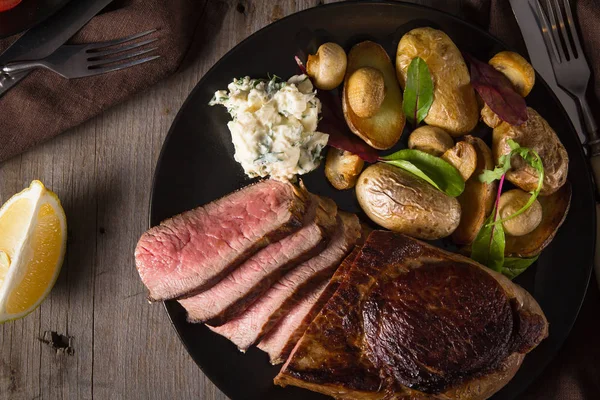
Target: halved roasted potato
column 454, row 107
column 463, row 157
column 537, row 135
column 430, row 139
column 554, row 211
column 342, row 168
column 384, row 127
column 477, row 200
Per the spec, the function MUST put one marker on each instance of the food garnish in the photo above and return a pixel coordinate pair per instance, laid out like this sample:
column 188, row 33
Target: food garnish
column 498, row 92
column 514, row 266
column 33, row 240
column 439, row 173
column 274, row 126
column 418, row 93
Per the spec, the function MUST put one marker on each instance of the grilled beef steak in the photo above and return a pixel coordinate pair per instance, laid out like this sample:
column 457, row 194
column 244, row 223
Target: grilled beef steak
column 282, row 338
column 411, row 320
column 194, row 250
column 240, row 288
column 259, row 318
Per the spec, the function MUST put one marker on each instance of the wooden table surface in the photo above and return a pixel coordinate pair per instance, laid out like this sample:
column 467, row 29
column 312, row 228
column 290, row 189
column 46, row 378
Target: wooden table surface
column 121, row 347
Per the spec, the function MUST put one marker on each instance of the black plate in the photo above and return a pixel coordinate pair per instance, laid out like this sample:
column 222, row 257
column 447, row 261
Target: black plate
column 27, row 14
column 196, row 166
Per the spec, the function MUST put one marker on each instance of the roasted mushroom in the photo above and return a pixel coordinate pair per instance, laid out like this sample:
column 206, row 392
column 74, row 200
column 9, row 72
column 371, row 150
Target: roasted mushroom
column 342, row 168
column 328, row 67
column 365, row 91
column 518, row 71
column 402, row 202
column 382, row 129
column 537, row 135
column 463, row 157
column 430, row 139
column 454, row 106
column 512, row 201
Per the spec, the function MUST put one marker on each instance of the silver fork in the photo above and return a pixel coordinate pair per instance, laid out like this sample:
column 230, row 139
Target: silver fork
column 78, row 61
column 570, row 67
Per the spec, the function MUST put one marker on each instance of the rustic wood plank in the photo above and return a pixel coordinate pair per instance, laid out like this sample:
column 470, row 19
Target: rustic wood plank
column 102, row 171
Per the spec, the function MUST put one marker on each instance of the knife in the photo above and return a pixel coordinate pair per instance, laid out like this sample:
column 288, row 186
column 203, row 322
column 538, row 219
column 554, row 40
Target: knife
column 526, row 18
column 536, row 47
column 43, row 39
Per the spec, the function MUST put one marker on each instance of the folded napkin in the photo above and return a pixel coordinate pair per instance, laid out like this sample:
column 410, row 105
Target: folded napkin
column 44, row 104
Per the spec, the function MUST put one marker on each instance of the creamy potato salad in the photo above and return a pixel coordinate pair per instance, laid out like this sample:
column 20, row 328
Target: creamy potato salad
column 274, row 126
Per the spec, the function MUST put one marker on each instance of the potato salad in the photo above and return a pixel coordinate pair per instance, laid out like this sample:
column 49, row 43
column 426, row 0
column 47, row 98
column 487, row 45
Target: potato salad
column 274, row 125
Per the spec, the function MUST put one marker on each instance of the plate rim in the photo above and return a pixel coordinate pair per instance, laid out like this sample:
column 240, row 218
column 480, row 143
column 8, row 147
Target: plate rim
column 539, row 79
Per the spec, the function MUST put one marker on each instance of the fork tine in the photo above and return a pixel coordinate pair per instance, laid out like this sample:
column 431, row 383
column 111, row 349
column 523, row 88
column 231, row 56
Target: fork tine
column 563, row 29
column 100, row 46
column 126, row 56
column 571, row 23
column 554, row 30
column 99, row 54
column 545, row 28
column 103, row 70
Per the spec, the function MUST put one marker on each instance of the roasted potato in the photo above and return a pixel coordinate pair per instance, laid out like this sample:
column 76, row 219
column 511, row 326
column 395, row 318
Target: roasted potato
column 383, row 129
column 554, row 211
column 518, row 71
column 342, row 168
column 463, row 157
column 477, row 200
column 537, row 135
column 328, row 67
column 454, row 107
column 430, row 139
column 512, row 201
column 402, row 202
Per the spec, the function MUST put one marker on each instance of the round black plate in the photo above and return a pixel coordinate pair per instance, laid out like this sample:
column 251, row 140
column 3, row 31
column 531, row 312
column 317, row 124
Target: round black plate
column 196, row 166
column 27, row 14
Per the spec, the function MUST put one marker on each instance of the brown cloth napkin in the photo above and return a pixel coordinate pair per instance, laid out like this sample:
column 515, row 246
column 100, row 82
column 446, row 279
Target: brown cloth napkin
column 59, row 104
column 575, row 373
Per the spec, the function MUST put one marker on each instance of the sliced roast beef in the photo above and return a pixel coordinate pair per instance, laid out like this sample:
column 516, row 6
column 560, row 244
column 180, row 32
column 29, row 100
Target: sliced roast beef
column 194, row 250
column 238, row 290
column 262, row 315
column 282, row 338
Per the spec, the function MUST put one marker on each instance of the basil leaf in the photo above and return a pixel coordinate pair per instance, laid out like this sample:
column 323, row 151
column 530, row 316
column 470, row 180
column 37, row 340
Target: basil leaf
column 418, row 93
column 514, row 267
column 488, row 246
column 434, row 170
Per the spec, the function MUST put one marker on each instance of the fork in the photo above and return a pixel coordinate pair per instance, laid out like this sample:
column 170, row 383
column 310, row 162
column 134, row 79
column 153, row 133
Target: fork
column 570, row 67
column 78, row 61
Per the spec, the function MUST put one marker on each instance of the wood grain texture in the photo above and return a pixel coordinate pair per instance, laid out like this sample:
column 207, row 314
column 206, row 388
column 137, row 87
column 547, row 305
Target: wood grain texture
column 124, row 348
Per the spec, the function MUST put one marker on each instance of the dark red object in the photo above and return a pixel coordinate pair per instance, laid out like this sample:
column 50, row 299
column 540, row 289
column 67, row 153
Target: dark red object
column 497, row 92
column 8, row 4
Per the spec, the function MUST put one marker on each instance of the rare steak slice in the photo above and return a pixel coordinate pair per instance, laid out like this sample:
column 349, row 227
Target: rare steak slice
column 194, row 250
column 413, row 321
column 250, row 280
column 261, row 316
column 282, row 338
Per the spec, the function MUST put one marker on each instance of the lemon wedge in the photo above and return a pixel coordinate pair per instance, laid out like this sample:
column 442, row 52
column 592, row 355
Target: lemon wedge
column 33, row 239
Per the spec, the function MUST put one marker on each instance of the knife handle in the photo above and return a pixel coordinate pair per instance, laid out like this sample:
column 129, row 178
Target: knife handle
column 7, row 82
column 19, row 66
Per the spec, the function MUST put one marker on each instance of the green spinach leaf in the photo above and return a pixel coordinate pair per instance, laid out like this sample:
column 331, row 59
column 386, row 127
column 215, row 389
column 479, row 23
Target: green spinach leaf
column 434, row 170
column 418, row 93
column 488, row 246
column 514, row 267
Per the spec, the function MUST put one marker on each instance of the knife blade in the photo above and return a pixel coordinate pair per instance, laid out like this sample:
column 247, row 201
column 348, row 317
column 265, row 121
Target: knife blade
column 536, row 47
column 42, row 40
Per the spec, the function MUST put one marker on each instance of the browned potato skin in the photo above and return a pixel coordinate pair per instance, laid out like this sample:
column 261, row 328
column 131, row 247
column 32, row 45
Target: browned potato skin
column 477, row 200
column 554, row 211
column 516, row 68
column 383, row 129
column 430, row 139
column 463, row 157
column 537, row 135
column 342, row 168
column 454, row 107
column 402, row 202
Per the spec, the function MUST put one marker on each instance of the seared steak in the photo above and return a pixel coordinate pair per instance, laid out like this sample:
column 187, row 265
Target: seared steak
column 194, row 250
column 282, row 338
column 260, row 317
column 250, row 280
column 411, row 320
